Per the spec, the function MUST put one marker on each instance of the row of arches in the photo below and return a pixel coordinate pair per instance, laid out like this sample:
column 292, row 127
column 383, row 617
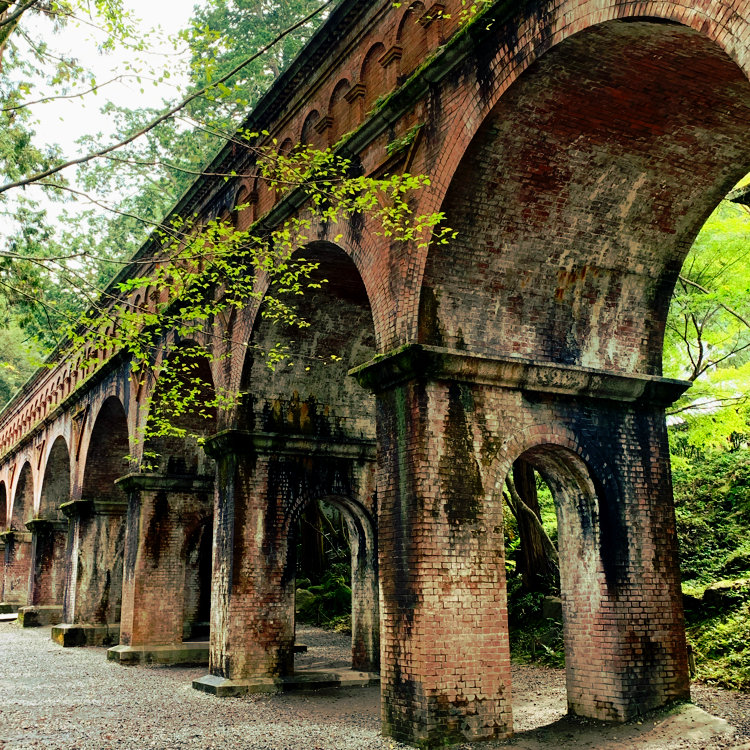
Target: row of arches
column 569, row 243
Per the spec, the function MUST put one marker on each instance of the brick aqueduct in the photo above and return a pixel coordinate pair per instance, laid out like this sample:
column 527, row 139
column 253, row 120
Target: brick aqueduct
column 577, row 146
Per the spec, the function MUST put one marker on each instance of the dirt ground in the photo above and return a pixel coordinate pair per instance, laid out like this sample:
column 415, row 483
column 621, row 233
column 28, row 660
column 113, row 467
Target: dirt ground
column 73, row 699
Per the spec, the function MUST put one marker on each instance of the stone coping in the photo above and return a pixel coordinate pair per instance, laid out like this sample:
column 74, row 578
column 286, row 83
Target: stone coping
column 35, row 525
column 301, row 680
column 265, row 443
column 85, row 506
column 11, row 535
column 167, row 482
column 422, row 362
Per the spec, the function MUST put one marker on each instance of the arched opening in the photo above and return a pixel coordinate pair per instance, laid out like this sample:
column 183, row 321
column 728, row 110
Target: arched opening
column 181, row 422
column 309, row 391
column 308, row 431
column 23, row 500
column 337, row 578
column 412, row 38
column 17, row 563
column 107, row 454
column 340, row 110
column 588, row 210
column 49, row 529
column 310, row 135
column 56, row 481
column 94, row 590
column 533, row 567
column 371, row 75
column 580, row 501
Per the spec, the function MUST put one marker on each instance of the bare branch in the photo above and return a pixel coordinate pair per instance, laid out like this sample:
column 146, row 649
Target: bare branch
column 167, row 114
column 703, row 289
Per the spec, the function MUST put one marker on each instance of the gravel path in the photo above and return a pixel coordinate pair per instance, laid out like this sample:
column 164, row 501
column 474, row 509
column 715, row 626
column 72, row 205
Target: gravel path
column 73, row 699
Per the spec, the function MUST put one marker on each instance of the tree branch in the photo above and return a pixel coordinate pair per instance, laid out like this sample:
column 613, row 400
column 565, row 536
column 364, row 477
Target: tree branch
column 167, row 113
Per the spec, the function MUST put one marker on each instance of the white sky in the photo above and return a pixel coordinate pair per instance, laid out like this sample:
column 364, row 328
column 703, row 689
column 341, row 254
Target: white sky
column 64, row 121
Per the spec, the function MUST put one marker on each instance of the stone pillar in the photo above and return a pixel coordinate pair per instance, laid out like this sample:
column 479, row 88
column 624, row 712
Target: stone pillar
column 365, row 597
column 47, row 581
column 445, row 659
column 252, row 593
column 449, row 427
column 163, row 513
column 262, row 481
column 17, row 563
column 93, row 587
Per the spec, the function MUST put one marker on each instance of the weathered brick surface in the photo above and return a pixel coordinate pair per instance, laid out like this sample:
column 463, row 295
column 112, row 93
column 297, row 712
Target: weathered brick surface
column 163, row 593
column 16, row 567
column 576, row 146
column 446, row 446
column 262, row 488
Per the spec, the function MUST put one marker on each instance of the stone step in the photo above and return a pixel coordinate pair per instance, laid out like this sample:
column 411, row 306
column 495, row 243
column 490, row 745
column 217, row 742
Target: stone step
column 82, row 634
column 180, row 653
column 37, row 616
column 301, row 680
column 8, row 617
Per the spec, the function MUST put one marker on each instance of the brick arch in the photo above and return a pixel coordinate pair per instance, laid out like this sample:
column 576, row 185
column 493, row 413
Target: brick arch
column 309, row 136
column 340, row 110
column 106, row 453
column 412, row 38
column 594, row 548
column 313, row 385
column 371, row 75
column 364, row 569
column 22, row 507
column 183, row 454
column 56, row 481
column 572, row 256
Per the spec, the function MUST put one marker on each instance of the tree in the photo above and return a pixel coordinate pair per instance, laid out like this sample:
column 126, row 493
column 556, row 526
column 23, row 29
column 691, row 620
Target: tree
column 707, row 339
column 538, row 561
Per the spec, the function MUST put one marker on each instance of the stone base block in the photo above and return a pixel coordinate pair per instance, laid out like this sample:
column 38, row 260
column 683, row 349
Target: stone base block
column 302, row 680
column 180, row 653
column 35, row 617
column 86, row 635
column 7, row 608
column 9, row 617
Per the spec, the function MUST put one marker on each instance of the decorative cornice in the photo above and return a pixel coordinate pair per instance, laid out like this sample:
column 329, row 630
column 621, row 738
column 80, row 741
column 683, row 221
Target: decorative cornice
column 35, row 525
column 323, row 123
column 357, row 90
column 264, row 443
column 392, row 55
column 167, row 482
column 420, row 362
column 85, row 506
column 435, row 13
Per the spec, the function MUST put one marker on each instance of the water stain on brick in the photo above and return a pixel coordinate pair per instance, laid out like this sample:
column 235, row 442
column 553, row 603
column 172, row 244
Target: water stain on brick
column 461, row 481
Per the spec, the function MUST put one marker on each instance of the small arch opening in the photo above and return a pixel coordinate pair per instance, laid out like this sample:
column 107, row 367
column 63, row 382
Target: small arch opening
column 332, row 548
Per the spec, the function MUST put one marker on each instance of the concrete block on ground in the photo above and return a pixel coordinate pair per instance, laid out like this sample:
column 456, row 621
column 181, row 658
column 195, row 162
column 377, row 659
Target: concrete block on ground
column 82, row 634
column 182, row 653
column 35, row 617
column 302, row 680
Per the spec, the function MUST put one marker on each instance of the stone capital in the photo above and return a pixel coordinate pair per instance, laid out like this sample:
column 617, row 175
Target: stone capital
column 35, row 525
column 242, row 442
column 94, row 506
column 424, row 363
column 11, row 535
column 166, row 482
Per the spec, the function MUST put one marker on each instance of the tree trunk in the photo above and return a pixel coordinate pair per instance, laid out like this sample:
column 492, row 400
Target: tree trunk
column 312, row 560
column 535, row 561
